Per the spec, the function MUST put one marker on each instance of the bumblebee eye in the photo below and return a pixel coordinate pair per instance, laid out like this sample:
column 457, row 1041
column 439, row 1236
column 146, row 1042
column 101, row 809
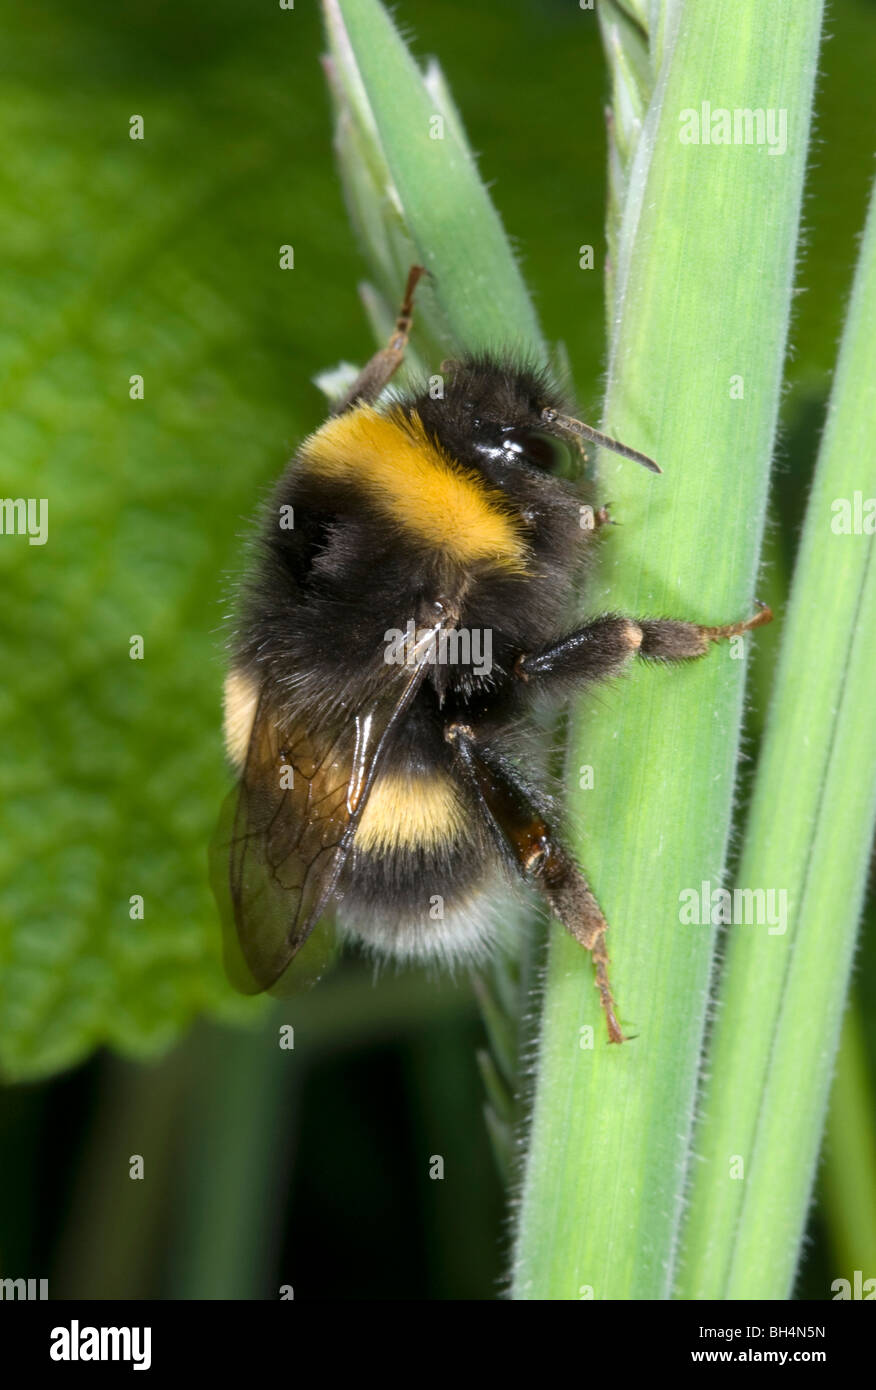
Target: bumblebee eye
column 547, row 452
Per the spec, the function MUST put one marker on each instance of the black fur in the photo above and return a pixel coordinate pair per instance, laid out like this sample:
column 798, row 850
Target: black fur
column 321, row 597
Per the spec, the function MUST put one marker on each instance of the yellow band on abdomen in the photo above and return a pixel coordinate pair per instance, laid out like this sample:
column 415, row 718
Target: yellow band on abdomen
column 410, row 813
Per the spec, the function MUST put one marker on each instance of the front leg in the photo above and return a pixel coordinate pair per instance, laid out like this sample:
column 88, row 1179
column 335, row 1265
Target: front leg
column 528, row 844
column 600, row 518
column 376, row 373
column 604, row 646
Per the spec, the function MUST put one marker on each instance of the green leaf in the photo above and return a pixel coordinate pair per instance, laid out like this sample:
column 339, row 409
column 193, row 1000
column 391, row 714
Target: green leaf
column 123, row 257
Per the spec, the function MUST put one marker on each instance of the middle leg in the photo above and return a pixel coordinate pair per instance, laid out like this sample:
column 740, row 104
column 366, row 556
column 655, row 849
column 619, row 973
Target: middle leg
column 604, row 646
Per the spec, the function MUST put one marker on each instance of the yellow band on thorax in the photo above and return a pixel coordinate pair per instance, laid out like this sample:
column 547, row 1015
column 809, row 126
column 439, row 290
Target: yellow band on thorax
column 413, row 483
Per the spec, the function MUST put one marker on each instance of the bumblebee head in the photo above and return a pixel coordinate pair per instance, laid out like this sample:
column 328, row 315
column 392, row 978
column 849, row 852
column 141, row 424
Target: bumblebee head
column 509, row 420
column 503, row 419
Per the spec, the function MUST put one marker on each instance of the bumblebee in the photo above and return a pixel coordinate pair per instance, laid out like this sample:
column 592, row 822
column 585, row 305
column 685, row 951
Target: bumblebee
column 405, row 609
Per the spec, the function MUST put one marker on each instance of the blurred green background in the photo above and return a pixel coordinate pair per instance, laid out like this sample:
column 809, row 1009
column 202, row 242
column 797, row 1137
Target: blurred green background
column 263, row 1167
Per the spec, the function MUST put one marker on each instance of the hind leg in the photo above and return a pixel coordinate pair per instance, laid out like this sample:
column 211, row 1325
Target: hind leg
column 530, row 845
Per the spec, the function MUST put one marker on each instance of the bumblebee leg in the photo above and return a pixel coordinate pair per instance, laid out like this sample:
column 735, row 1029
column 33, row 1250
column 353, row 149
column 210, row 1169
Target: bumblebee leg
column 667, row 640
column 377, row 372
column 529, row 845
column 598, row 518
column 604, row 646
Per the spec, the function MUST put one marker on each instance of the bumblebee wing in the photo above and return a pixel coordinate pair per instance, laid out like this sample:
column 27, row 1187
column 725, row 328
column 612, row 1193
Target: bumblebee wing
column 278, row 839
column 287, row 829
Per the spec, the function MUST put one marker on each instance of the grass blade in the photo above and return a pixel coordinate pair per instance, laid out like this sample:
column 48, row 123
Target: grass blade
column 809, row 833
column 415, row 198
column 847, row 1178
column 425, row 179
column 702, row 297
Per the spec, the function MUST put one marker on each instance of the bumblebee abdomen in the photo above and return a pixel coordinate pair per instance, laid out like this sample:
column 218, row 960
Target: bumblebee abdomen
column 422, row 871
column 424, row 902
column 424, row 811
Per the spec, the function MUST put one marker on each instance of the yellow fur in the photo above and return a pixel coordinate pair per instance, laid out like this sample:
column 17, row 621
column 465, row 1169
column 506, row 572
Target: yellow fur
column 416, row 485
column 241, row 699
column 410, row 812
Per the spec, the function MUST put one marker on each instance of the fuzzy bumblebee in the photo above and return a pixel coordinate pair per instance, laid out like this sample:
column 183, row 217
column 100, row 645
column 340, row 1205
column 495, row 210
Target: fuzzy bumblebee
column 406, row 605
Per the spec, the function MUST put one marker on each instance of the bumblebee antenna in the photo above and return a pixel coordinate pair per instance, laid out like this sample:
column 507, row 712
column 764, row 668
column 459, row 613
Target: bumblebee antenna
column 577, row 427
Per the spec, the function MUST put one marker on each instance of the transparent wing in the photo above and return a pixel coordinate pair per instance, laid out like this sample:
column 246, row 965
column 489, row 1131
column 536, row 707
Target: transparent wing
column 287, row 828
